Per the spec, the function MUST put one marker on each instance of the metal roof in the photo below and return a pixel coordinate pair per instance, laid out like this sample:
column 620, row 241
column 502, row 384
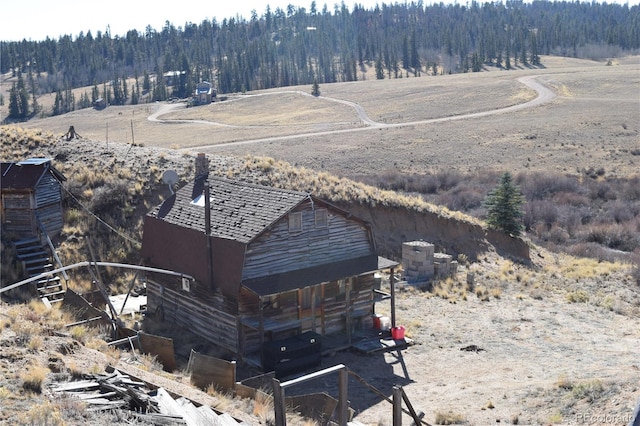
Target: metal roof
column 26, row 174
column 278, row 283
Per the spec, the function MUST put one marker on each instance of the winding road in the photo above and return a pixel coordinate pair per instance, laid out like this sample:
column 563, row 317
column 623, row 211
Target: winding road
column 545, row 95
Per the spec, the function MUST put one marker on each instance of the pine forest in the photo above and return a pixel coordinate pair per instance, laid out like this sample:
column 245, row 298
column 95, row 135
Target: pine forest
column 313, row 45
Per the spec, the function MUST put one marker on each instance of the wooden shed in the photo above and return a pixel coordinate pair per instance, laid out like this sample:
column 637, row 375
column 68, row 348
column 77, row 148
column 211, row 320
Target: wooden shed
column 269, row 264
column 31, row 198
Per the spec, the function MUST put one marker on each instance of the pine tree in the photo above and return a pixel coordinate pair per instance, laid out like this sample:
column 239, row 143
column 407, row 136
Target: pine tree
column 379, row 69
column 315, row 89
column 14, row 104
column 504, row 207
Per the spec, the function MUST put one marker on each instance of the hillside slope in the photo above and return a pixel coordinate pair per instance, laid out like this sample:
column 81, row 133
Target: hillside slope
column 559, row 333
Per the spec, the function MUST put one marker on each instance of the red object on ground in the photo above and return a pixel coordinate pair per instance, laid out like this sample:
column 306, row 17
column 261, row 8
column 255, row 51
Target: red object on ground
column 376, row 321
column 397, row 333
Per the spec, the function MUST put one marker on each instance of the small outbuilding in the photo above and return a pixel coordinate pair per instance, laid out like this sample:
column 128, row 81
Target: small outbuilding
column 31, row 198
column 204, row 93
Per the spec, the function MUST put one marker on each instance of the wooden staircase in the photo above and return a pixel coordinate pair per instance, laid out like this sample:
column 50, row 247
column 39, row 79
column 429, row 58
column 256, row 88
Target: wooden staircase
column 36, row 259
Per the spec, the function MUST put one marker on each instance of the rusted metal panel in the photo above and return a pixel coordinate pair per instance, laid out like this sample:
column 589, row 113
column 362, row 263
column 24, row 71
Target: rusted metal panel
column 171, row 246
column 206, row 370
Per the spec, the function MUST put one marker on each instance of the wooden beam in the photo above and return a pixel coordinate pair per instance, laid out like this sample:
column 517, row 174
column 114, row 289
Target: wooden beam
column 278, row 403
column 343, row 402
column 392, row 283
column 397, row 406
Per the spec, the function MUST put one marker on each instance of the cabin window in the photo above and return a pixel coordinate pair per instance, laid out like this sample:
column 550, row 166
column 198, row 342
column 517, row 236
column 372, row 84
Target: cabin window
column 321, row 218
column 295, row 222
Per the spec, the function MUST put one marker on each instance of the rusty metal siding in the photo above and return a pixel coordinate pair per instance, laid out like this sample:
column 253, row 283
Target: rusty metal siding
column 170, row 246
column 279, row 250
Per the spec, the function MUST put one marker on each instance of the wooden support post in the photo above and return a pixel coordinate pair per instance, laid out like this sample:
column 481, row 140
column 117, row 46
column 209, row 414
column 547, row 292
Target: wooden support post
column 100, row 284
column 392, row 283
column 313, row 308
column 347, row 301
column 397, row 406
column 343, row 402
column 278, row 403
column 261, row 330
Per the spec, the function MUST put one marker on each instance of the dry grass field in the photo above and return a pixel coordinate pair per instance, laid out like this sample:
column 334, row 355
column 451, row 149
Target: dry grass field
column 559, row 337
column 593, row 122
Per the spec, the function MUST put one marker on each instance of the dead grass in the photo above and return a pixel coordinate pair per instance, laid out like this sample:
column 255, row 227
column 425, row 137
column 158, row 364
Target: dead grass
column 33, row 378
column 449, row 418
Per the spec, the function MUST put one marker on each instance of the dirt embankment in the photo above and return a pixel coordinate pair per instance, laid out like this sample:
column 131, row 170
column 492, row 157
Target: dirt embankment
column 396, row 225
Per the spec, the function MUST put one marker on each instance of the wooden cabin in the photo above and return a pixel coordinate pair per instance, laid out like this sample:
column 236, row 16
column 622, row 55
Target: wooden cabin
column 268, row 264
column 31, row 198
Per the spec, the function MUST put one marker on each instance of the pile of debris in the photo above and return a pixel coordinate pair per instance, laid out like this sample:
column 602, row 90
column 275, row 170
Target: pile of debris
column 117, row 391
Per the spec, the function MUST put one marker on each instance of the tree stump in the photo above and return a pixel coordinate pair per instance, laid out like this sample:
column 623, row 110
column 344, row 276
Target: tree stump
column 71, row 134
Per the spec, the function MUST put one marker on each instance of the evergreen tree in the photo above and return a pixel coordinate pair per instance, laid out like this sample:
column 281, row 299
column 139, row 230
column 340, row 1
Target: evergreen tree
column 146, row 83
column 23, row 98
column 504, row 207
column 35, row 107
column 57, row 104
column 379, row 69
column 14, row 103
column 535, row 57
column 315, row 89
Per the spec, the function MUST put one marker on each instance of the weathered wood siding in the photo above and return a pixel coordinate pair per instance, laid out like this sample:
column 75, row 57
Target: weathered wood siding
column 18, row 214
column 48, row 198
column 280, row 250
column 197, row 315
column 20, row 208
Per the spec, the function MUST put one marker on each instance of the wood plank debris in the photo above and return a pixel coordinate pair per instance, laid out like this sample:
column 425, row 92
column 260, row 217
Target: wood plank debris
column 116, row 390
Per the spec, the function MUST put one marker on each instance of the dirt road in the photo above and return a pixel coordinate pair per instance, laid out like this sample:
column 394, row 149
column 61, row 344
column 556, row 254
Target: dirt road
column 545, row 95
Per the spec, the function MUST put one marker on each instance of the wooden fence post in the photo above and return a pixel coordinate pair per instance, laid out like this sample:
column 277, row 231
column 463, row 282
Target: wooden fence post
column 343, row 402
column 278, row 403
column 397, row 406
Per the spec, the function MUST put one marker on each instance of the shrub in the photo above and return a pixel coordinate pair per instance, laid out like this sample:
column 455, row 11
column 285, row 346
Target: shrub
column 42, row 414
column 33, row 378
column 578, row 296
column 589, row 390
column 449, row 418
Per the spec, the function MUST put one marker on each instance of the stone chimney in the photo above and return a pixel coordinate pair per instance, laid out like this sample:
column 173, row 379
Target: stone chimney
column 202, row 166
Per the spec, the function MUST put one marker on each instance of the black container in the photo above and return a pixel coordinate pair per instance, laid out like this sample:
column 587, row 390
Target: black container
column 293, row 354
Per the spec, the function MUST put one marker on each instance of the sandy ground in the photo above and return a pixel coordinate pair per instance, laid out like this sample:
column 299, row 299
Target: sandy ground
column 542, row 360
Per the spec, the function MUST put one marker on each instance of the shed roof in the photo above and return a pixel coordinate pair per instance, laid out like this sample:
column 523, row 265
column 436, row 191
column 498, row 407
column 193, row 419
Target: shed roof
column 27, row 174
column 239, row 211
column 278, row 283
